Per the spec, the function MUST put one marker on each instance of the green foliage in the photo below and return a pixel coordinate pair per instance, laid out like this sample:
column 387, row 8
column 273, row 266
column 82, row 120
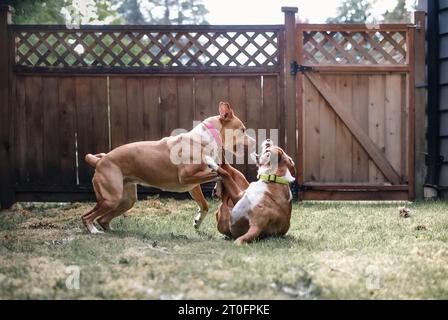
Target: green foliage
column 354, row 11
column 130, row 11
column 38, row 12
column 109, row 12
column 53, row 12
column 163, row 12
column 398, row 15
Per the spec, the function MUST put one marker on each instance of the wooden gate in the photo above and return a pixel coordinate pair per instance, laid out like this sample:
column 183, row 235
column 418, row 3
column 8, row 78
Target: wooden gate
column 355, row 111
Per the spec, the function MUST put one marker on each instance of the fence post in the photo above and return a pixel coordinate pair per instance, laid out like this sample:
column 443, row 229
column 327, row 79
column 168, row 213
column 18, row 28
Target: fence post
column 420, row 104
column 6, row 170
column 290, row 81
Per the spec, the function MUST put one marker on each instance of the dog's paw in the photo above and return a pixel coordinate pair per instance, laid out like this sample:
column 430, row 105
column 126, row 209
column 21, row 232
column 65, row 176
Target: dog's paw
column 94, row 230
column 239, row 242
column 211, row 163
column 198, row 219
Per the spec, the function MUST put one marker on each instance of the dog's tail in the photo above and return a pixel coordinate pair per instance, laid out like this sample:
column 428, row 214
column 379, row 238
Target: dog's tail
column 92, row 159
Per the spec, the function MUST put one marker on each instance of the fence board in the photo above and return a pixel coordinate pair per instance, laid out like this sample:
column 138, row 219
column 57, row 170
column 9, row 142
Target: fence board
column 220, row 90
column 51, row 152
column 91, row 120
column 67, row 117
column 311, row 125
column 327, row 138
column 360, row 107
column 100, row 114
column 254, row 111
column 84, row 127
column 185, row 102
column 168, row 105
column 21, row 131
column 393, row 121
column 344, row 140
column 34, row 129
column 376, row 122
column 203, row 96
column 151, row 111
column 118, row 111
column 237, row 98
column 134, row 104
column 270, row 103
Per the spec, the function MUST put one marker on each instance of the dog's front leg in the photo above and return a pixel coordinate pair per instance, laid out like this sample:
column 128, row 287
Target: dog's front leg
column 197, row 175
column 198, row 196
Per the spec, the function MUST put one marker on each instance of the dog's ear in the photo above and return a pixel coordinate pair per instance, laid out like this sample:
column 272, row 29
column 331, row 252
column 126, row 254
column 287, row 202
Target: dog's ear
column 290, row 164
column 225, row 111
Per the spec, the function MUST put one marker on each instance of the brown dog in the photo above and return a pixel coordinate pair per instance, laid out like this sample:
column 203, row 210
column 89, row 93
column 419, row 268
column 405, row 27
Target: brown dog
column 262, row 208
column 173, row 163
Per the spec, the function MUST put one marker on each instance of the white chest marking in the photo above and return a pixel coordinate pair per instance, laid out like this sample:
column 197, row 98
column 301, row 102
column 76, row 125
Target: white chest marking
column 251, row 198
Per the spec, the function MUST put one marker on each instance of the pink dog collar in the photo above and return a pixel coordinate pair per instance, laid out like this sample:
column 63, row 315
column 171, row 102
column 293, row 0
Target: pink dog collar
column 214, row 132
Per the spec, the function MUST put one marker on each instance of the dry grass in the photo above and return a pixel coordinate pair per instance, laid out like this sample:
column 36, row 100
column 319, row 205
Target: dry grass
column 333, row 250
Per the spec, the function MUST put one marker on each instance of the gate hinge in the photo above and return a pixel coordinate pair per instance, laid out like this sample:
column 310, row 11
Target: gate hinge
column 295, row 67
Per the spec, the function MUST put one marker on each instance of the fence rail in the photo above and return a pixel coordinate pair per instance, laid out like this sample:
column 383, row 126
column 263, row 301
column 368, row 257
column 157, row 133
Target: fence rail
column 364, row 45
column 147, row 49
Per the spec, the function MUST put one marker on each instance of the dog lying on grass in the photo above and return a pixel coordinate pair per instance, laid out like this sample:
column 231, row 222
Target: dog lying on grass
column 261, row 208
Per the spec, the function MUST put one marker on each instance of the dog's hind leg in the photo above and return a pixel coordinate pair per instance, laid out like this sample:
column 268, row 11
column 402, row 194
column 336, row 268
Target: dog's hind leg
column 252, row 234
column 108, row 186
column 198, row 196
column 127, row 202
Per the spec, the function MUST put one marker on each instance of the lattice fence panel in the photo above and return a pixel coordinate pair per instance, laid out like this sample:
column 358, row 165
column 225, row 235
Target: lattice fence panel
column 129, row 49
column 373, row 47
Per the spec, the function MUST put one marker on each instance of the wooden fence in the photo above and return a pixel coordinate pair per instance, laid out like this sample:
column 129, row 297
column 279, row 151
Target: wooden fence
column 66, row 92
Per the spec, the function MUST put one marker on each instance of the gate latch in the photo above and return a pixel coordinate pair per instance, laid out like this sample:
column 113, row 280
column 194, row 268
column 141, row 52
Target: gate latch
column 295, row 67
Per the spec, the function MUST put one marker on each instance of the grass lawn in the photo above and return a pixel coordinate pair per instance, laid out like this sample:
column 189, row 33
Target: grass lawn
column 333, row 250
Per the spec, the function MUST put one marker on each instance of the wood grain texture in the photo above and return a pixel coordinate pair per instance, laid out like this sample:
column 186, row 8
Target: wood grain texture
column 377, row 123
column 169, row 105
column 372, row 149
column 51, row 109
column 67, row 119
column 327, row 119
column 151, row 109
column 118, row 111
column 343, row 138
column 21, row 131
column 311, row 132
column 135, row 108
column 203, row 99
column 237, row 98
column 360, row 107
column 185, row 96
column 254, row 114
column 393, row 121
column 34, row 129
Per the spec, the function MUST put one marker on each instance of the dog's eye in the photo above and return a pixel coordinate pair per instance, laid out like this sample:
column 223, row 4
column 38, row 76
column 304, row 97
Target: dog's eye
column 244, row 130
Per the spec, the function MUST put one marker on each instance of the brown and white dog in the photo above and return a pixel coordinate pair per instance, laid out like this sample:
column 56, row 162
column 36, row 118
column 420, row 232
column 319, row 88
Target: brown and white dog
column 163, row 164
column 261, row 208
